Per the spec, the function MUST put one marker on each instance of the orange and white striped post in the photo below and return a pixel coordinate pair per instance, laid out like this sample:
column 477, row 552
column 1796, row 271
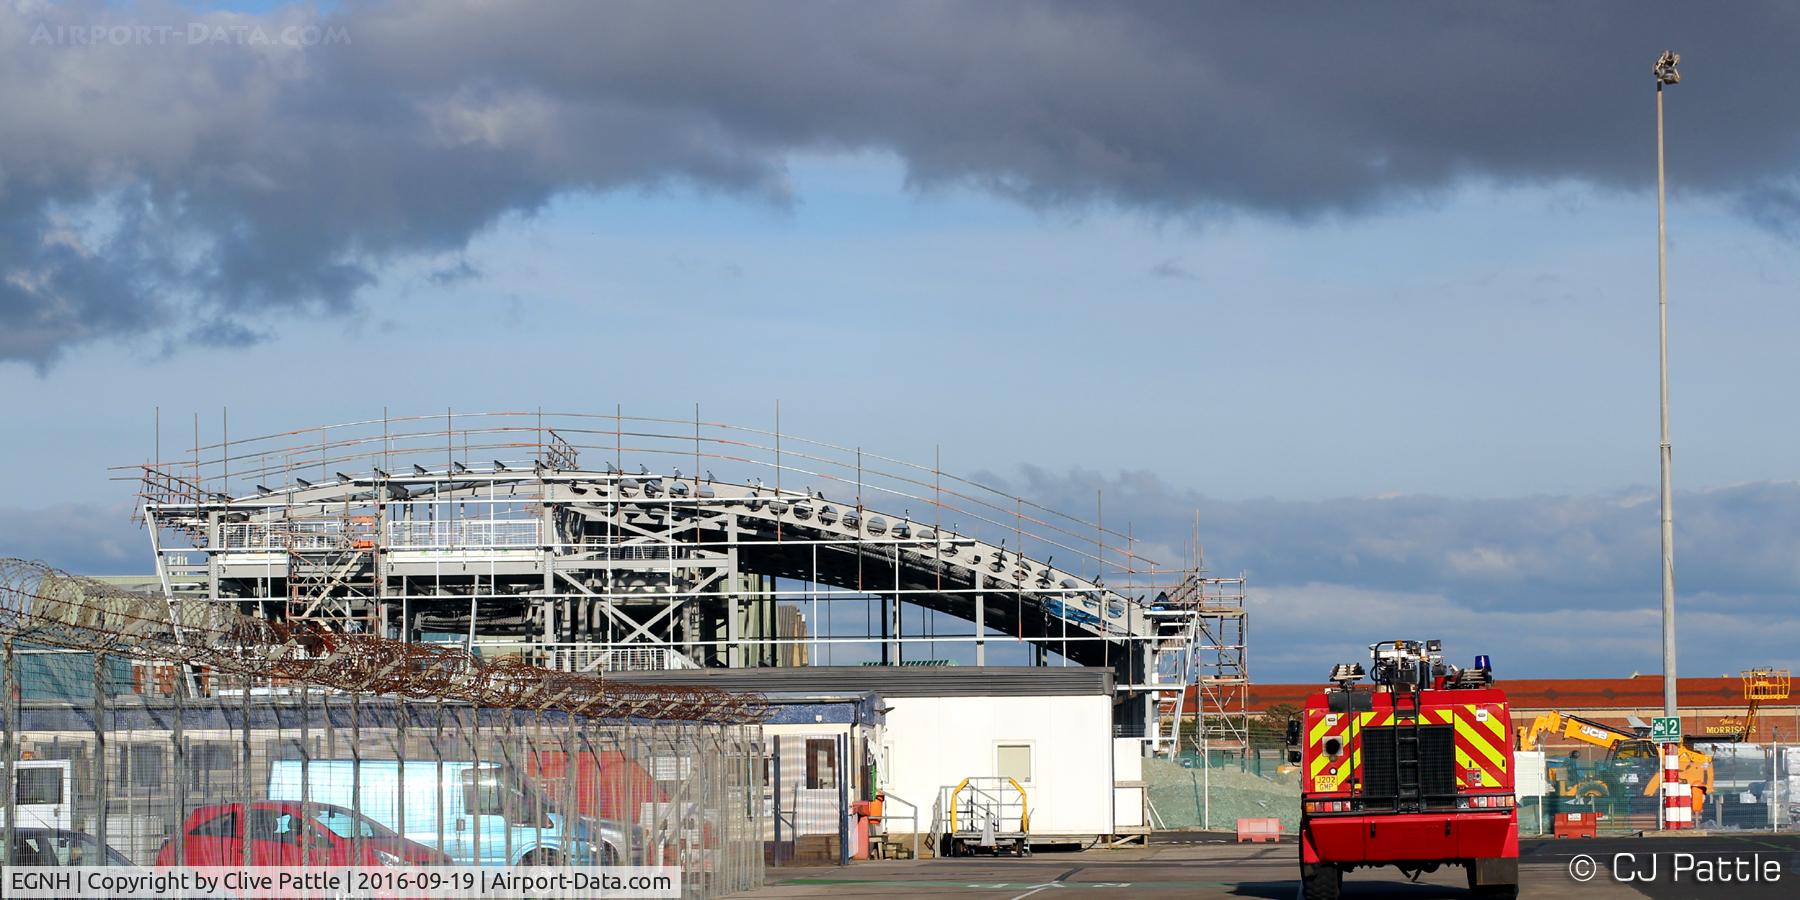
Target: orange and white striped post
column 1678, row 802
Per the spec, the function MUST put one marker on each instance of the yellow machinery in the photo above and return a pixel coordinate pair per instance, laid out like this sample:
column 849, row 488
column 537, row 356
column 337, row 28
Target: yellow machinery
column 1760, row 686
column 1631, row 760
column 986, row 813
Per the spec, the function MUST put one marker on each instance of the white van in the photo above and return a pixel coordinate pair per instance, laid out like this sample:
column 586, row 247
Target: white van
column 488, row 818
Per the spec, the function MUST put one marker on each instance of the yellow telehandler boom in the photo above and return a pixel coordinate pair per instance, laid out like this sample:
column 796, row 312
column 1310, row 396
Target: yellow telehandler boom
column 1625, row 747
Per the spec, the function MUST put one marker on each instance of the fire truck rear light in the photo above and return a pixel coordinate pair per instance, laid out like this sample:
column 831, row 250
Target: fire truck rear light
column 1327, row 806
column 1485, row 801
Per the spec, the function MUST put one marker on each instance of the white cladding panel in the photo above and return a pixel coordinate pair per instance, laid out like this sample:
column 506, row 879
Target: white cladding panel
column 1529, row 778
column 936, row 742
column 1128, row 759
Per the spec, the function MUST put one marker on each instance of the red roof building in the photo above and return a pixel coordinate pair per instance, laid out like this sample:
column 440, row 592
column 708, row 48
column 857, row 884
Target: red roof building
column 1703, row 702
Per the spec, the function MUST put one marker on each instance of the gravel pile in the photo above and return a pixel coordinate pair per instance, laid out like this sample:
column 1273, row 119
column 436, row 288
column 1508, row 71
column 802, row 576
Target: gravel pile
column 1177, row 795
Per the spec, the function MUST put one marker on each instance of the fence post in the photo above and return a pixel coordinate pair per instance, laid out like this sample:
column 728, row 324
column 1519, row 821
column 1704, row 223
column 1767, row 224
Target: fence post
column 505, row 772
column 305, row 773
column 585, row 737
column 178, row 737
column 1774, row 790
column 474, row 777
column 571, row 808
column 437, row 751
column 356, row 773
column 99, row 765
column 400, row 722
column 7, row 754
column 843, row 780
column 244, row 792
column 775, row 782
column 527, row 747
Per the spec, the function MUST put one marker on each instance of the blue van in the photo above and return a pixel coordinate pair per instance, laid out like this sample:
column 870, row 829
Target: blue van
column 488, row 818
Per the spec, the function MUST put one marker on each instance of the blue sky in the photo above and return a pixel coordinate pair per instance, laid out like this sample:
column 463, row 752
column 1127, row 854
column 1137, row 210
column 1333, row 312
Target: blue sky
column 1286, row 313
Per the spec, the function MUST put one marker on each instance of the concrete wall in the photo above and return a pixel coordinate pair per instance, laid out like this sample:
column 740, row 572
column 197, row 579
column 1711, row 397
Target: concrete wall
column 933, row 742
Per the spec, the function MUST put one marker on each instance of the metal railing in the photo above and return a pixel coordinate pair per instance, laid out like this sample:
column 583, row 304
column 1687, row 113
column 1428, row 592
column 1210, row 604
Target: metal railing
column 321, row 534
column 463, row 534
column 588, row 658
column 891, row 797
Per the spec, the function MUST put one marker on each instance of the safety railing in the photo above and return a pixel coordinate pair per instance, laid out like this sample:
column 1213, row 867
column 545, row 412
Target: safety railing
column 320, row 534
column 588, row 658
column 462, row 534
column 912, row 816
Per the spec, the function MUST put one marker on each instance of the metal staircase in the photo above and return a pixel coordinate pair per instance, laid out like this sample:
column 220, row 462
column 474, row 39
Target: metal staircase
column 331, row 563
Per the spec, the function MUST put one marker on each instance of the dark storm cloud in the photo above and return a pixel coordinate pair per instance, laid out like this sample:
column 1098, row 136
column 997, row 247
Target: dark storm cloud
column 158, row 179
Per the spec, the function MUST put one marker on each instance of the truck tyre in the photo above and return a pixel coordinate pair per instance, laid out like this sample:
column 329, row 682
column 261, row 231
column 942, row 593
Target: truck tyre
column 1320, row 882
column 1502, row 891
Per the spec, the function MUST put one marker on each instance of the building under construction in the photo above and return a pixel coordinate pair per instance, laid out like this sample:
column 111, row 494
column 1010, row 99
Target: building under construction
column 599, row 543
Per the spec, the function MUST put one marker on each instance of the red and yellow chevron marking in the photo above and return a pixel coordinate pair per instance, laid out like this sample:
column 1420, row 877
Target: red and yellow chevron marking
column 1326, row 773
column 1483, row 750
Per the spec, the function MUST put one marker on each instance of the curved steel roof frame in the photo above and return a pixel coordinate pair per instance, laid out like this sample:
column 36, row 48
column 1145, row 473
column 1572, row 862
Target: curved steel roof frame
column 620, row 531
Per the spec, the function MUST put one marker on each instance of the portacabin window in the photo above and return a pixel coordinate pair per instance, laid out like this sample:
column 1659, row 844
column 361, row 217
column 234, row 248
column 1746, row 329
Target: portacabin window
column 1013, row 760
column 821, row 763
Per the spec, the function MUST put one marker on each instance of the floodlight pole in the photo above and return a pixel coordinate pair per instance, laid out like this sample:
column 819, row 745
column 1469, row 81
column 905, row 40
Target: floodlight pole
column 1665, row 72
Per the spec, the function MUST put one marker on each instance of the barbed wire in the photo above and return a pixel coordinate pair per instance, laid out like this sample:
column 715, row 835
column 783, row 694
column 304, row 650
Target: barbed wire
column 46, row 606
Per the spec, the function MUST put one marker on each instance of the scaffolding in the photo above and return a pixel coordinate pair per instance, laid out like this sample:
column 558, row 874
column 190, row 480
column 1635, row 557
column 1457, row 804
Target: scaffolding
column 1209, row 665
column 606, row 542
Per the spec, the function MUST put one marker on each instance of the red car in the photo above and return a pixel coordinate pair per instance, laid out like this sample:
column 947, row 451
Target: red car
column 332, row 836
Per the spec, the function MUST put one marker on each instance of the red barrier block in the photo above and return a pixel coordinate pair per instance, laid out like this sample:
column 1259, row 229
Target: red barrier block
column 1576, row 825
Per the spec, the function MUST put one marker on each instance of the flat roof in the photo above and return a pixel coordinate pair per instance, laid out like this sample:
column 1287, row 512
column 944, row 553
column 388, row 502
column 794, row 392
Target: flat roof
column 1635, row 692
column 892, row 681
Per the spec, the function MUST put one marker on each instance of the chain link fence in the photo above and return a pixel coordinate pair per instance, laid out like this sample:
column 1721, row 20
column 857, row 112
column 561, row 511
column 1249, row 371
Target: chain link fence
column 291, row 776
column 1754, row 789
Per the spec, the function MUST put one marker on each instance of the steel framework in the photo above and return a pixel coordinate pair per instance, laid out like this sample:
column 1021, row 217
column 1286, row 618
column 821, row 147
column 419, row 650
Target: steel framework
column 47, row 607
column 577, row 542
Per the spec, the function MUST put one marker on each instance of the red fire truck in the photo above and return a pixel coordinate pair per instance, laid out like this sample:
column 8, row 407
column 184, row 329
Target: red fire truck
column 1414, row 771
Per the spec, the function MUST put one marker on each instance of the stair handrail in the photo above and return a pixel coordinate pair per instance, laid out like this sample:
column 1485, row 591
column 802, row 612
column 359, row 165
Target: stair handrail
column 887, row 797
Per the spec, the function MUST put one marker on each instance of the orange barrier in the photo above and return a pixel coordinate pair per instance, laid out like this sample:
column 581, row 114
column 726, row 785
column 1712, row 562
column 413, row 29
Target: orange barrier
column 1258, row 830
column 1576, row 825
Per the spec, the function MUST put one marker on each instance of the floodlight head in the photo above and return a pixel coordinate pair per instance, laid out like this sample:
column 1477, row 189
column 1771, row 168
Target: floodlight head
column 1434, row 646
column 1346, row 674
column 1665, row 70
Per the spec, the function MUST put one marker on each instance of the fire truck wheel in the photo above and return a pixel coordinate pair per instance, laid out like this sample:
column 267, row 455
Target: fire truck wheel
column 1320, row 882
column 1491, row 891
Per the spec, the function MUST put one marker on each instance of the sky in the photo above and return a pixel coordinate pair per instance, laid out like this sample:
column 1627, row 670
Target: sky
column 1373, row 291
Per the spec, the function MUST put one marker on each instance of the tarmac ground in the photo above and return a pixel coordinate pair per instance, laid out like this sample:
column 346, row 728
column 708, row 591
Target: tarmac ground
column 1209, row 866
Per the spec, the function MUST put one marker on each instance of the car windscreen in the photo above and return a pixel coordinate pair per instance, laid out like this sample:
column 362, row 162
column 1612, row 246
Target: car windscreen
column 346, row 824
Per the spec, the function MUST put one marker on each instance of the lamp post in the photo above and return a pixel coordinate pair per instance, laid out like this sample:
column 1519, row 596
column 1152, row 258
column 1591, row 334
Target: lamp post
column 1666, row 73
column 1677, row 803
